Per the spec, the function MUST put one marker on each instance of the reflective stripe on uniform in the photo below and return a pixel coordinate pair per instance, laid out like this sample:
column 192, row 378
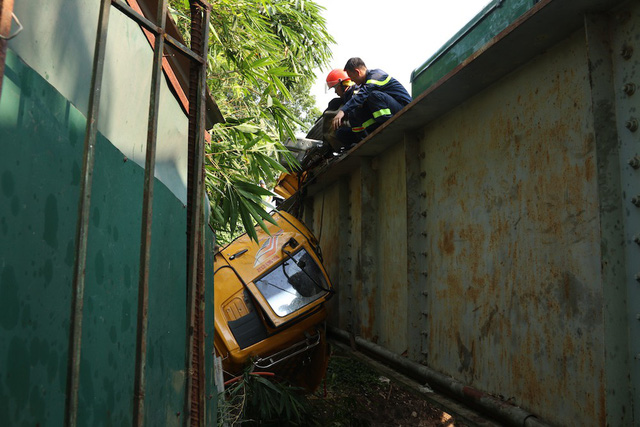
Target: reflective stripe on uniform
column 378, row 82
column 364, row 126
column 383, row 112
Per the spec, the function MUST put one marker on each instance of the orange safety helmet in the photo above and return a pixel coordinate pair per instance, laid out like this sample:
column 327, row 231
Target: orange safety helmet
column 335, row 77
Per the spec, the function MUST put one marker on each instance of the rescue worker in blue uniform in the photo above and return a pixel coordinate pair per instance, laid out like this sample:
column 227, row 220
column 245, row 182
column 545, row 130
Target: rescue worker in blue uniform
column 376, row 98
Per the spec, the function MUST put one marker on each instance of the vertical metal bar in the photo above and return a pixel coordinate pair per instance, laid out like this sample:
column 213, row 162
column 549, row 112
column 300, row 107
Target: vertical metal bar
column 6, row 9
column 82, row 228
column 345, row 292
column 416, row 247
column 368, row 300
column 147, row 215
column 194, row 397
column 611, row 68
column 607, row 142
column 201, row 225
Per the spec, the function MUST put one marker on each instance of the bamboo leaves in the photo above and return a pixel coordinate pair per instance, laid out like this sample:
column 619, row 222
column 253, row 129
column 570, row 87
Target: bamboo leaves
column 260, row 61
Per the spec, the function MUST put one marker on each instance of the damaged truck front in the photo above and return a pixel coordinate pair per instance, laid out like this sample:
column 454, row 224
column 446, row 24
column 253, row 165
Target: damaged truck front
column 270, row 304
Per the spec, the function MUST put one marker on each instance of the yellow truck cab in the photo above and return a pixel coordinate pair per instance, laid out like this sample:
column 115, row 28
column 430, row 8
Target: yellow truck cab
column 269, row 299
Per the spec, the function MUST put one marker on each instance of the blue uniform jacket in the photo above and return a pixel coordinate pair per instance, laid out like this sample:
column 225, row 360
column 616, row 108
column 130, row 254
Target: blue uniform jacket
column 376, row 80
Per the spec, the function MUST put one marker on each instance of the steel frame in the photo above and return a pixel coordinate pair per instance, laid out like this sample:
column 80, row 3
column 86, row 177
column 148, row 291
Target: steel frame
column 194, row 223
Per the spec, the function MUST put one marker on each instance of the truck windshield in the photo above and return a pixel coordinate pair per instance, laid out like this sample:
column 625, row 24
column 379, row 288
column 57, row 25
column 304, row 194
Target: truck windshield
column 295, row 283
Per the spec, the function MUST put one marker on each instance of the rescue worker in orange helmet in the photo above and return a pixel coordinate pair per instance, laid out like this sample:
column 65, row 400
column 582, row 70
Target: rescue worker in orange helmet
column 340, row 81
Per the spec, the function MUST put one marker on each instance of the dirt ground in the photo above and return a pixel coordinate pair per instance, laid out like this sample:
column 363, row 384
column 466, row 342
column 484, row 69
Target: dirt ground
column 354, row 395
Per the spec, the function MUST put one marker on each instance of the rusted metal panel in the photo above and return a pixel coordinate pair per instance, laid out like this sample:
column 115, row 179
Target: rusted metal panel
column 528, row 221
column 345, row 293
column 355, row 221
column 368, row 262
column 605, row 130
column 391, row 310
column 625, row 48
column 417, row 293
column 513, row 243
column 327, row 223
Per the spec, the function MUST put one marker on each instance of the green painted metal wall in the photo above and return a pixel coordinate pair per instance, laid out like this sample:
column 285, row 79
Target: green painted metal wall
column 58, row 41
column 42, row 134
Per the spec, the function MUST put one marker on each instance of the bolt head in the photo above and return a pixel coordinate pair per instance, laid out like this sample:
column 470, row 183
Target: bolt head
column 629, row 89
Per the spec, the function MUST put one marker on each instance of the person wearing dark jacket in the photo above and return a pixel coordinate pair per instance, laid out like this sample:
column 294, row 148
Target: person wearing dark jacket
column 376, row 98
column 339, row 80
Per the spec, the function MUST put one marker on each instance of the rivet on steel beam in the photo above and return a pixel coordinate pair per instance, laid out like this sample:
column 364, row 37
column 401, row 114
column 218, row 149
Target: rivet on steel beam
column 638, row 277
column 424, row 273
column 629, row 89
column 349, row 217
column 632, row 124
column 424, row 214
column 634, row 162
column 425, row 353
column 638, row 316
column 425, row 333
column 124, row 160
column 425, row 293
column 423, row 253
column 637, row 357
column 424, row 233
column 636, row 201
column 422, row 155
column 423, row 194
column 423, row 174
column 425, row 314
column 349, row 258
column 626, row 52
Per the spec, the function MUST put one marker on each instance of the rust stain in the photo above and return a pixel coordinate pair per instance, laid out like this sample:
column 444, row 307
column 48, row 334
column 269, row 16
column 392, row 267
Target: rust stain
column 590, row 169
column 446, row 242
column 466, row 356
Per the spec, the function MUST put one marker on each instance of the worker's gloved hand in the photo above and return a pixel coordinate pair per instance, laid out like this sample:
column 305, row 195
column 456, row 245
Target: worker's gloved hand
column 337, row 120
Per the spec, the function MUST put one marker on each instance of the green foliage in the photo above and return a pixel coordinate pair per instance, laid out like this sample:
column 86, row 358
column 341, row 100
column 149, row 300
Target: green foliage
column 345, row 372
column 260, row 61
column 255, row 400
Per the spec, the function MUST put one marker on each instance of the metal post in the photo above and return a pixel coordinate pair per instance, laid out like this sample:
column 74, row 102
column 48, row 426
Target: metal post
column 147, row 215
column 75, row 329
column 194, row 396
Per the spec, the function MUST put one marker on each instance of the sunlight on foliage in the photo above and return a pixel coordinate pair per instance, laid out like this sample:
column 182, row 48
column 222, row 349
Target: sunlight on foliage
column 260, row 69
